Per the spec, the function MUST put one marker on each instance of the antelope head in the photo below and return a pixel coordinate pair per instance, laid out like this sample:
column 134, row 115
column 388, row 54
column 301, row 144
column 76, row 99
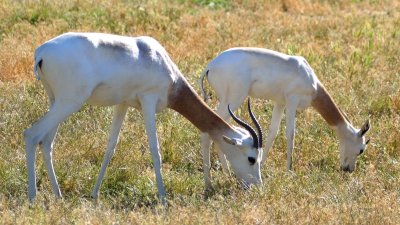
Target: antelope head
column 248, row 146
column 352, row 146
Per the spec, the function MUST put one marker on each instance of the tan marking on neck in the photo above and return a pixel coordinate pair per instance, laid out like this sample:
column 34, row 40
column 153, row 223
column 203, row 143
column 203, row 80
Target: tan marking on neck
column 183, row 99
column 325, row 105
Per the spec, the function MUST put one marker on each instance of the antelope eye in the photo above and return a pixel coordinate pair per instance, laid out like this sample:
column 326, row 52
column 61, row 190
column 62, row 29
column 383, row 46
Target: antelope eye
column 252, row 160
column 361, row 152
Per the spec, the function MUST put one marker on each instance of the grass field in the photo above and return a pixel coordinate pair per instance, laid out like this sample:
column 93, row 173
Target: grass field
column 353, row 46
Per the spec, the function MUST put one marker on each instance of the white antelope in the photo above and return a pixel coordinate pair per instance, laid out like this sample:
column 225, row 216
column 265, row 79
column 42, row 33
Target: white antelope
column 110, row 70
column 290, row 83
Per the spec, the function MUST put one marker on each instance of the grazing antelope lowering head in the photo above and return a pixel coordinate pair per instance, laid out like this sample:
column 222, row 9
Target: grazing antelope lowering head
column 290, row 83
column 352, row 141
column 111, row 70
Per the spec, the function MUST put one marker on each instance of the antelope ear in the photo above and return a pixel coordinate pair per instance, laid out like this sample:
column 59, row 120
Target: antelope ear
column 232, row 141
column 364, row 129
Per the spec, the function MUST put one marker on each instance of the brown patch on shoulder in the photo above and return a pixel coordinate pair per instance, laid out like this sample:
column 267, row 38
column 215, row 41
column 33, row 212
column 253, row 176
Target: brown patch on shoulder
column 325, row 105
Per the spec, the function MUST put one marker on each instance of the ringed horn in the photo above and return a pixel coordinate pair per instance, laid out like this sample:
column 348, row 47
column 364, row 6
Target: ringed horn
column 257, row 139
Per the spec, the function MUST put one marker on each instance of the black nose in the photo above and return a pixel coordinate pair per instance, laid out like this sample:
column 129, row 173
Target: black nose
column 346, row 169
column 252, row 160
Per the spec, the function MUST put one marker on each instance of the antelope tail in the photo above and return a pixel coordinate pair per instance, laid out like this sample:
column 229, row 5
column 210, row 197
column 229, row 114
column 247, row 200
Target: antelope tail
column 36, row 67
column 203, row 92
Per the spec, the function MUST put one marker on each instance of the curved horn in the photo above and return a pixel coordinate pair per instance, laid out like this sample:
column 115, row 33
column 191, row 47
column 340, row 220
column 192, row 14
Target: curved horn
column 253, row 118
column 246, row 126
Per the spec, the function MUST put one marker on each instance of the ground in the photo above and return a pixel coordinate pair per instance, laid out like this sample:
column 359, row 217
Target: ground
column 353, row 46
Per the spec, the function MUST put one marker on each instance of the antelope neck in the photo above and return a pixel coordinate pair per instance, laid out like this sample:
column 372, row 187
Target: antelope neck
column 325, row 106
column 183, row 99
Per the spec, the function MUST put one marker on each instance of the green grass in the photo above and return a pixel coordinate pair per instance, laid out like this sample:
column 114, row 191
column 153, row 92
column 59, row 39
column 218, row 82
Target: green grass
column 353, row 47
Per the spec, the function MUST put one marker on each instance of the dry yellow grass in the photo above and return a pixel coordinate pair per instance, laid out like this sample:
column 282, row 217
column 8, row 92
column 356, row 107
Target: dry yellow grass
column 352, row 45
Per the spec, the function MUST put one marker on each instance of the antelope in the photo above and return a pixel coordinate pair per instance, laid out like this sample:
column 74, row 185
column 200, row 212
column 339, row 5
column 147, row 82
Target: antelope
column 290, row 82
column 111, row 70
